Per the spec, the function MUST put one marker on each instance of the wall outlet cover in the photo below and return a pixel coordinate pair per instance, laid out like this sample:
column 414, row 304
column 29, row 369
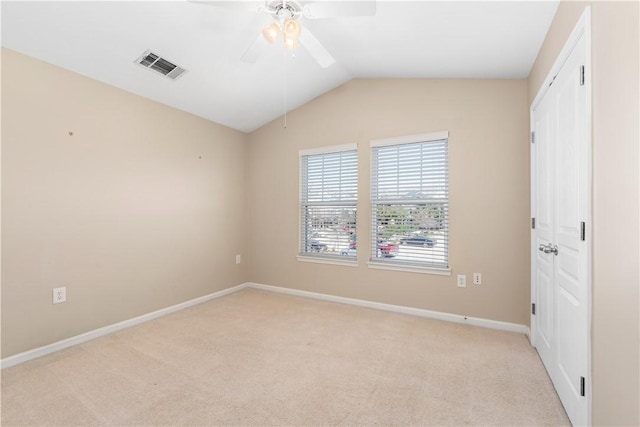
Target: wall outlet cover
column 462, row 281
column 59, row 295
column 477, row 278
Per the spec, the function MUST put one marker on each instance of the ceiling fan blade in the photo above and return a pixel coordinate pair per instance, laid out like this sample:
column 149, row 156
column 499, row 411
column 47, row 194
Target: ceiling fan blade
column 332, row 9
column 315, row 48
column 253, row 52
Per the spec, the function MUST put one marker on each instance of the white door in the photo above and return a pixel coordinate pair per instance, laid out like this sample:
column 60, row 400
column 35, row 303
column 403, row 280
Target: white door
column 544, row 129
column 561, row 191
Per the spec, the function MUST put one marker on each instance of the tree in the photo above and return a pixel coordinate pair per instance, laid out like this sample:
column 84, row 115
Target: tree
column 429, row 217
column 393, row 220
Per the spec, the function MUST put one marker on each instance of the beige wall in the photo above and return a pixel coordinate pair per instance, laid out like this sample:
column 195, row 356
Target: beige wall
column 142, row 208
column 616, row 297
column 489, row 192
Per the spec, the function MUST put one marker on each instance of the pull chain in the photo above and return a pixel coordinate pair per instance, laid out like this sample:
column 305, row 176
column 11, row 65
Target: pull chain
column 285, row 86
column 284, row 5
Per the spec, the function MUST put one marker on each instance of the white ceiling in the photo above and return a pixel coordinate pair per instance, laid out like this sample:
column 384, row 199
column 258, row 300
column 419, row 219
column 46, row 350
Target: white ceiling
column 416, row 39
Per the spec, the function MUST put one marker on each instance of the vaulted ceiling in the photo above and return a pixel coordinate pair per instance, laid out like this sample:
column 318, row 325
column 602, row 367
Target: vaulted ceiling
column 404, row 39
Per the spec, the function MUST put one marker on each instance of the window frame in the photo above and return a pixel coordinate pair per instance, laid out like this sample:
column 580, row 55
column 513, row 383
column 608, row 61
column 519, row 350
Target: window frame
column 414, row 266
column 322, row 258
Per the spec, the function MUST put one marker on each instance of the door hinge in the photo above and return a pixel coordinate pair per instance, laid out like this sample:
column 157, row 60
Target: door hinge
column 553, row 79
column 533, row 137
column 583, row 231
column 582, row 388
column 582, row 75
column 533, row 308
column 533, row 223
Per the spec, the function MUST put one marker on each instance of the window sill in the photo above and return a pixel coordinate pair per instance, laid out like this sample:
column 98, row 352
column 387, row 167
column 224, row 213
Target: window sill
column 327, row 260
column 410, row 268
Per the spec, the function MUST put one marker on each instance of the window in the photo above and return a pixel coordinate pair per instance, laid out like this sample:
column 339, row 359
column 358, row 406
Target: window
column 328, row 202
column 410, row 201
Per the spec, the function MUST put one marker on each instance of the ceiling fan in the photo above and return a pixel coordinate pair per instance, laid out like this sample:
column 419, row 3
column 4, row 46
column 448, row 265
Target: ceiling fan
column 287, row 14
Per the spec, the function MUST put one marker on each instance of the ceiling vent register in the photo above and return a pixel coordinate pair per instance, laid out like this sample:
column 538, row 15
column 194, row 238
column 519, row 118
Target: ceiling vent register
column 155, row 62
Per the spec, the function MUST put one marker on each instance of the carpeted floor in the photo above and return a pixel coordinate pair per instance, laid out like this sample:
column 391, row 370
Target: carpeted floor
column 261, row 358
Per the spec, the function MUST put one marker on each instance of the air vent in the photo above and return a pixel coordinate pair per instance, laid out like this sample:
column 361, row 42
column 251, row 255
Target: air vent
column 155, row 62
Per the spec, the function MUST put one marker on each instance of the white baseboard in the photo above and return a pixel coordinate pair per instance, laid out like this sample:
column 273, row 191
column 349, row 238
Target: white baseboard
column 456, row 318
column 96, row 333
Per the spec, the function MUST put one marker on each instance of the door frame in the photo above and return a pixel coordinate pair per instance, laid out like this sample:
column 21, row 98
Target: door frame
column 582, row 28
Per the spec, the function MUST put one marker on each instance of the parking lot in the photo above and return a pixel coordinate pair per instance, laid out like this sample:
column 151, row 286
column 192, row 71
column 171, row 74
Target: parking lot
column 337, row 243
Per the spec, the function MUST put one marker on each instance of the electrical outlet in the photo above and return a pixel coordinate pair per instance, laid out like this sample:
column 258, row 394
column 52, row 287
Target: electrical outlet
column 59, row 295
column 238, row 259
column 477, row 278
column 462, row 281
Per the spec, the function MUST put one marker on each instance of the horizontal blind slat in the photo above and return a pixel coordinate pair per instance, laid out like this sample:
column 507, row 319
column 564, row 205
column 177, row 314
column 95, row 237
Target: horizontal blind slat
column 328, row 199
column 409, row 194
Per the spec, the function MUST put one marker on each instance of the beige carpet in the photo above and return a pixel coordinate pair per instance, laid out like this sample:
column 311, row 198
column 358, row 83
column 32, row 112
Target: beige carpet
column 260, row 358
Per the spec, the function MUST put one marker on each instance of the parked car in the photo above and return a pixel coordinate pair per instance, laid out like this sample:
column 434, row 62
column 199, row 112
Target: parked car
column 388, row 249
column 317, row 246
column 427, row 242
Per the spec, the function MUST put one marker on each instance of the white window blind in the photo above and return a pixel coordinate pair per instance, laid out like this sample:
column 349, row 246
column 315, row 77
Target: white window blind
column 328, row 203
column 410, row 203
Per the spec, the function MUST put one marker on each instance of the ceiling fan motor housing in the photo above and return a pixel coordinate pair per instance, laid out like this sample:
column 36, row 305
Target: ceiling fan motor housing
column 282, row 9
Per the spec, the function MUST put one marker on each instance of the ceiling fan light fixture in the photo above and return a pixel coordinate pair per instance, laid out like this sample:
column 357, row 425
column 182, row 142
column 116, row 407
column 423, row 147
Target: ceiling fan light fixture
column 292, row 28
column 271, row 32
column 291, row 43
